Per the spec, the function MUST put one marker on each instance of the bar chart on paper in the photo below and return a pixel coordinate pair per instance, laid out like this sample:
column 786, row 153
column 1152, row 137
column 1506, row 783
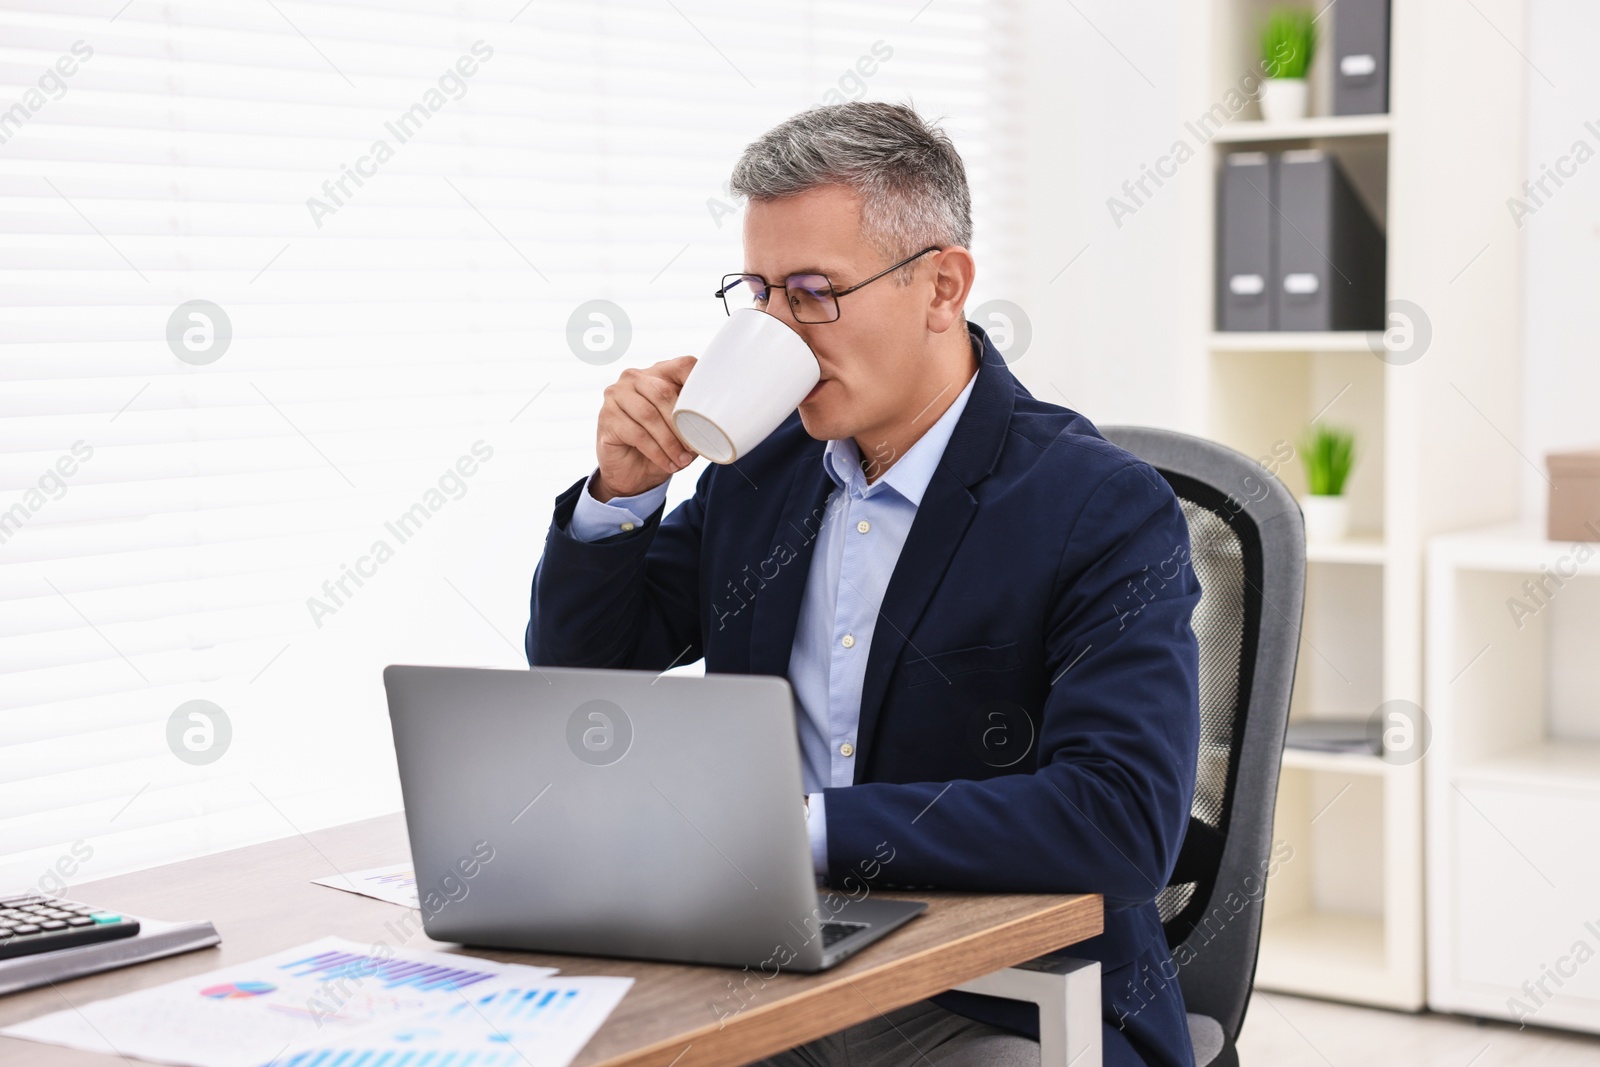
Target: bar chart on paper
column 328, row 990
column 389, row 973
column 396, row 883
column 543, row 1024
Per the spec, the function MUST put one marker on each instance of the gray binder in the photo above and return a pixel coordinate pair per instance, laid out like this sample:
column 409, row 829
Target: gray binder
column 1246, row 241
column 1330, row 251
column 1361, row 57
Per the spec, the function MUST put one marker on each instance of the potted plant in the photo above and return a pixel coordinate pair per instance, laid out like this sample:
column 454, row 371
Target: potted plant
column 1328, row 454
column 1288, row 43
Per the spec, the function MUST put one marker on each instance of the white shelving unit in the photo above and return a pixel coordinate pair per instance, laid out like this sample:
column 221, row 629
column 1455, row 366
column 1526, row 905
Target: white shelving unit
column 1314, row 127
column 1348, row 341
column 1372, row 551
column 1344, row 915
column 1514, row 777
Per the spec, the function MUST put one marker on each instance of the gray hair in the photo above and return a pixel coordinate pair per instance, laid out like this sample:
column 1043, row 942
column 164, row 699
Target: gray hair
column 911, row 180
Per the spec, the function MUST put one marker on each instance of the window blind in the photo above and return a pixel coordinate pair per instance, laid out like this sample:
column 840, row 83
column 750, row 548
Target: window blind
column 301, row 340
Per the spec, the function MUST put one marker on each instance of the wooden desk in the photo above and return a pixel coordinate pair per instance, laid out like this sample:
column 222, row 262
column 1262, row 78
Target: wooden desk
column 677, row 1015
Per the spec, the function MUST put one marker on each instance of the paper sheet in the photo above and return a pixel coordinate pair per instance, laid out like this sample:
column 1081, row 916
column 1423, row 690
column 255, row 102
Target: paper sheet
column 395, row 883
column 252, row 1013
column 543, row 1023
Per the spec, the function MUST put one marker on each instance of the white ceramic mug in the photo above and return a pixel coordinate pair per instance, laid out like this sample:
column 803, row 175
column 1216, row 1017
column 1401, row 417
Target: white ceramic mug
column 750, row 377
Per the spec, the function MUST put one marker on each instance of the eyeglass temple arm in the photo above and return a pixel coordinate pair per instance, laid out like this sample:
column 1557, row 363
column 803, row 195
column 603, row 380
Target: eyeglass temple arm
column 852, row 288
column 723, row 291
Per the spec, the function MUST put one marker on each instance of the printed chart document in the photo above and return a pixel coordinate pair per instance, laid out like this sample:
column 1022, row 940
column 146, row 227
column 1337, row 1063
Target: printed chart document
column 253, row 1013
column 542, row 1023
column 395, row 883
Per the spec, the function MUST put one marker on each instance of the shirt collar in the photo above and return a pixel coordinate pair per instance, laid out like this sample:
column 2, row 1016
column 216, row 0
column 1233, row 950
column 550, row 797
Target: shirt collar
column 910, row 474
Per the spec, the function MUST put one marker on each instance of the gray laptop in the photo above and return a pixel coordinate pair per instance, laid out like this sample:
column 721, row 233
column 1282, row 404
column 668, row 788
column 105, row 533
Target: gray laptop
column 618, row 813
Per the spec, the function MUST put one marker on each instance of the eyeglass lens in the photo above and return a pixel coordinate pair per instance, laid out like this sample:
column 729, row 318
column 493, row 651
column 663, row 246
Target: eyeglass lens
column 810, row 296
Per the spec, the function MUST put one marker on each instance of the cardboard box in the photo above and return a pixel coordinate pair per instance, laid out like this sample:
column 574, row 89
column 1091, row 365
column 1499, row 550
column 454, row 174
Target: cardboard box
column 1574, row 495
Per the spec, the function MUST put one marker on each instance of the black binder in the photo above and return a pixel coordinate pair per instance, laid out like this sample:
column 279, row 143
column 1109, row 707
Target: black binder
column 1247, row 226
column 1330, row 262
column 1361, row 57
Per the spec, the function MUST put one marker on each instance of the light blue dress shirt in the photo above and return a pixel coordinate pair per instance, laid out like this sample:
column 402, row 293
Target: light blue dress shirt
column 864, row 527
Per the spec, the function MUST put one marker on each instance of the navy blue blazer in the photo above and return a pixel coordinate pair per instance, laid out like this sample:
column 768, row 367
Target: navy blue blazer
column 1029, row 716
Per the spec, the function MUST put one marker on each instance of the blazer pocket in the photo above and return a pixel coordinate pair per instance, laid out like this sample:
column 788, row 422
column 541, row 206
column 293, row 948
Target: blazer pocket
column 942, row 666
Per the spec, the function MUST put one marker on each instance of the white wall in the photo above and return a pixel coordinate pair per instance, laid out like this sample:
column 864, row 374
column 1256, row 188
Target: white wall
column 1108, row 87
column 1561, row 330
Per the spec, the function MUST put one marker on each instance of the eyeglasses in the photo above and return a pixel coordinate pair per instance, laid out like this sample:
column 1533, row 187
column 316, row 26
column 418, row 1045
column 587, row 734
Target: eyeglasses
column 812, row 297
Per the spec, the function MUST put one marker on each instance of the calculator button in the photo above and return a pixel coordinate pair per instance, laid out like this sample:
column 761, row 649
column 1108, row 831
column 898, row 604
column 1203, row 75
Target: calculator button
column 35, row 924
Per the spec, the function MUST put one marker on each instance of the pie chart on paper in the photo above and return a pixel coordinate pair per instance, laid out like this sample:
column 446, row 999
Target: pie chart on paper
column 237, row 990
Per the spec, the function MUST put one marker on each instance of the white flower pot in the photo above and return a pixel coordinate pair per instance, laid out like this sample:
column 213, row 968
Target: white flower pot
column 1284, row 99
column 1327, row 517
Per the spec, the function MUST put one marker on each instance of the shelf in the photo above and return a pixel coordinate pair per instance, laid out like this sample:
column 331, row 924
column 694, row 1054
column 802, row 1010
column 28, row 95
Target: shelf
column 1315, row 129
column 1549, row 765
column 1268, row 341
column 1345, row 917
column 1516, row 547
column 1514, row 768
column 1367, row 550
column 1351, row 763
column 1323, row 954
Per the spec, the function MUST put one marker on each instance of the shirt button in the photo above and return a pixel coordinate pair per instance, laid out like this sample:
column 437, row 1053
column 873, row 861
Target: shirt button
column 847, row 749
column 627, row 526
column 863, row 526
column 848, row 641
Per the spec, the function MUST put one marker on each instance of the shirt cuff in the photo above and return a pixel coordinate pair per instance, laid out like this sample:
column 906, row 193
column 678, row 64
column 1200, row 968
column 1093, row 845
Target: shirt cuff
column 817, row 829
column 592, row 520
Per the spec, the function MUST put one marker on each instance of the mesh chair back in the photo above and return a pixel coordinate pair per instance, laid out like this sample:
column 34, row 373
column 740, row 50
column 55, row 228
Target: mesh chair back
column 1247, row 546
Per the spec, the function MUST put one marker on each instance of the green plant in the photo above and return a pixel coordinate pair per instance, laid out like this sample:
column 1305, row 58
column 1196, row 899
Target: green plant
column 1288, row 42
column 1328, row 454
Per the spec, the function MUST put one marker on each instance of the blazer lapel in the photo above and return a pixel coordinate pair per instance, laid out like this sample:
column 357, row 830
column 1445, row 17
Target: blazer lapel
column 946, row 511
column 777, row 604
column 942, row 520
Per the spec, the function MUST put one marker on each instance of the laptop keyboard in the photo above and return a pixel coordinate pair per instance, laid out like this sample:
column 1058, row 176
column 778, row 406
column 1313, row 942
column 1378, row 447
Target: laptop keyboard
column 833, row 933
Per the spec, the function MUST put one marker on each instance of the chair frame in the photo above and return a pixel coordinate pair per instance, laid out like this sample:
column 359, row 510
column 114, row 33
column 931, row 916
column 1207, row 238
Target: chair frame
column 1217, row 970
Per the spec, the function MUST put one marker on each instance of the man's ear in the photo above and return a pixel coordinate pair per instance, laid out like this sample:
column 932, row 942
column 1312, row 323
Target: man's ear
column 953, row 272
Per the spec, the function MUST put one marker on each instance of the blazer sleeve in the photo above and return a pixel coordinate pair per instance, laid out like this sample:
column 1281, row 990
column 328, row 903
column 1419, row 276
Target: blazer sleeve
column 1106, row 810
column 629, row 601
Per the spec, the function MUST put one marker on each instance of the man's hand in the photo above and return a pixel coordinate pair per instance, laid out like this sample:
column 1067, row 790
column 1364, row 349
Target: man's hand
column 634, row 441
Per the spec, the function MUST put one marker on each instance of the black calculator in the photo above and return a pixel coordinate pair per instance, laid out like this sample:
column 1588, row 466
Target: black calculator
column 32, row 923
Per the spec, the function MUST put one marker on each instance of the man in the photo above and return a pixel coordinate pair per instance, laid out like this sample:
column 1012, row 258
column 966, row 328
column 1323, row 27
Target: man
column 983, row 606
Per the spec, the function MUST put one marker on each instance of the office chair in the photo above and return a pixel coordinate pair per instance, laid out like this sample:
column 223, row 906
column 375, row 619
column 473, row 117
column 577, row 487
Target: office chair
column 1247, row 545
